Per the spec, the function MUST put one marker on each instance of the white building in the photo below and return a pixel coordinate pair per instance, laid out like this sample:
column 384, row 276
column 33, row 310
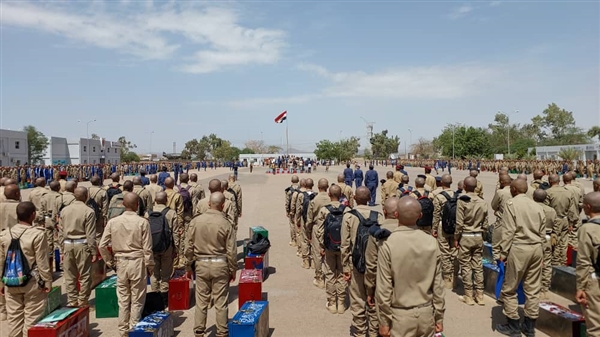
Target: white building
column 260, row 157
column 13, row 148
column 588, row 151
column 83, row 151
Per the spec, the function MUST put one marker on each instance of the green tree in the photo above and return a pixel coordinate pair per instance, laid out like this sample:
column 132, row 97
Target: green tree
column 94, row 136
column 382, row 145
column 423, row 148
column 326, row 149
column 226, row 152
column 37, row 143
column 273, row 149
column 555, row 126
column 130, row 157
column 342, row 150
column 468, row 142
column 594, row 132
column 247, row 151
column 126, row 147
column 569, row 154
column 195, row 149
column 368, row 154
column 500, row 134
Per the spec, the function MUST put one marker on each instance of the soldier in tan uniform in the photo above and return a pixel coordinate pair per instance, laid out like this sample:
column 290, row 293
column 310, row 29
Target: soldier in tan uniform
column 50, row 221
column 446, row 241
column 133, row 259
column 236, row 190
column 2, row 184
column 301, row 221
column 79, row 247
column 577, row 196
column 163, row 262
column 523, row 237
column 429, row 179
column 175, row 202
column 62, row 175
column 288, row 198
column 37, row 197
column 421, row 310
column 389, row 189
column 420, row 187
column 479, row 188
column 204, row 205
column 501, row 196
column 144, row 194
column 347, row 191
column 99, row 195
column 26, row 304
column 8, row 218
column 563, row 202
column 552, row 227
column 294, row 215
column 210, row 244
column 588, row 288
column 197, row 189
column 154, row 188
column 314, row 207
column 231, row 198
column 364, row 318
column 335, row 286
column 398, row 175
column 596, row 185
column 538, row 176
column 471, row 222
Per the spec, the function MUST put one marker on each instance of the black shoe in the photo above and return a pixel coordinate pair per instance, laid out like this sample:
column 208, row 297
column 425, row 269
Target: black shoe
column 528, row 327
column 165, row 298
column 510, row 329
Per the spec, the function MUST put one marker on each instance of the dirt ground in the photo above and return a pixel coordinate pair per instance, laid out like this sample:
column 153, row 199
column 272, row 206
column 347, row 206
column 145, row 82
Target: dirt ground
column 297, row 307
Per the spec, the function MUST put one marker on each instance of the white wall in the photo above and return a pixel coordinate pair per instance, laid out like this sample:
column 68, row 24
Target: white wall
column 13, row 148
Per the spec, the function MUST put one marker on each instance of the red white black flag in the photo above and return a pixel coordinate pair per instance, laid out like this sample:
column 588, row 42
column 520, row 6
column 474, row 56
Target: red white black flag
column 281, row 117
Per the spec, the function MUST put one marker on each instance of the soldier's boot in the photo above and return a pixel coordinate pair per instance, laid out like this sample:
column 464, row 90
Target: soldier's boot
column 449, row 282
column 197, row 333
column 479, row 297
column 341, row 306
column 330, row 305
column 319, row 283
column 528, row 327
column 305, row 264
column 511, row 328
column 165, row 299
column 467, row 299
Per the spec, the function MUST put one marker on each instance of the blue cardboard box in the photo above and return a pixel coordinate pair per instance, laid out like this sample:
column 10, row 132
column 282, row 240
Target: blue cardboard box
column 159, row 324
column 493, row 278
column 251, row 321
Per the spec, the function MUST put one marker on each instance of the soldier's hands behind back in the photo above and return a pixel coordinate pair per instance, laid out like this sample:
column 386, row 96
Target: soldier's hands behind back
column 439, row 327
column 232, row 278
column 581, row 298
column 384, row 331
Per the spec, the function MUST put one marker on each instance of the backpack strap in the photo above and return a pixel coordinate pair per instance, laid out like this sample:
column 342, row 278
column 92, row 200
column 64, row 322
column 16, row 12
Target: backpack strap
column 164, row 211
column 594, row 221
column 357, row 214
column 417, row 194
column 329, row 208
column 446, row 195
column 373, row 216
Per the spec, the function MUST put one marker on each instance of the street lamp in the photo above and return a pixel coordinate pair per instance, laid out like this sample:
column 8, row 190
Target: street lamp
column 508, row 129
column 409, row 131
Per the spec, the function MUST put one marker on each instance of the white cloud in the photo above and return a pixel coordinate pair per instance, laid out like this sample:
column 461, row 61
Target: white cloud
column 460, row 12
column 215, row 33
column 275, row 101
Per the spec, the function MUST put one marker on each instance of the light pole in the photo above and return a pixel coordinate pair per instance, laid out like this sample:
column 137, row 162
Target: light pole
column 508, row 129
column 341, row 134
column 453, row 131
column 410, row 132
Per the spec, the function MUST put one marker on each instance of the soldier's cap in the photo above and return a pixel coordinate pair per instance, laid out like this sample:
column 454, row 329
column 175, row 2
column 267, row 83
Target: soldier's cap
column 62, row 173
column 427, row 168
column 438, row 178
column 398, row 167
column 422, row 176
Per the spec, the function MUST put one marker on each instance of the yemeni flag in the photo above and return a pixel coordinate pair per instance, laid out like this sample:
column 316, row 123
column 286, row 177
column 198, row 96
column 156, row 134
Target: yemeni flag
column 281, row 117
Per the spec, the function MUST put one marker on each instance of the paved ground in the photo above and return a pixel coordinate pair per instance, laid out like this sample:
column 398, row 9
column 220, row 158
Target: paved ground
column 297, row 308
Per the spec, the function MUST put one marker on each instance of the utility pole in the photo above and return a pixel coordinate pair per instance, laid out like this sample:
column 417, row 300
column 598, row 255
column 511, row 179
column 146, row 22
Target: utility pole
column 87, row 131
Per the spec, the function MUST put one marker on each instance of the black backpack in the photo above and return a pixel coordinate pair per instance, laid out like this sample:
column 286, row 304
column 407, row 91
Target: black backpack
column 305, row 202
column 94, row 206
column 449, row 214
column 162, row 237
column 186, row 196
column 290, row 192
column 259, row 244
column 333, row 227
column 405, row 191
column 235, row 197
column 362, row 239
column 16, row 271
column 112, row 191
column 426, row 209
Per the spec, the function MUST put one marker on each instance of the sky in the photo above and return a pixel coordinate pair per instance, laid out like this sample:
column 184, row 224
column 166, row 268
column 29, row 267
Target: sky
column 160, row 72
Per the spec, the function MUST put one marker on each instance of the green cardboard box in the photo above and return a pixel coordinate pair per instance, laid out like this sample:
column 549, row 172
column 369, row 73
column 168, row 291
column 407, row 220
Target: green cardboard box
column 259, row 229
column 53, row 301
column 107, row 304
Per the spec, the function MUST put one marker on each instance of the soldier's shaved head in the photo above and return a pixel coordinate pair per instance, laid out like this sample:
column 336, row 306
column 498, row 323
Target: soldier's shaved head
column 405, row 179
column 40, row 182
column 419, row 182
column 340, row 178
column 567, row 178
column 335, row 192
column 55, row 186
column 302, row 182
column 362, row 195
column 12, row 192
column 517, row 187
column 470, row 183
column 81, row 194
column 591, row 204
column 553, row 179
column 539, row 195
column 309, row 183
column 538, row 174
column 216, row 201
column 214, row 185
column 184, row 178
column 446, row 180
column 128, row 186
column 137, row 181
column 193, row 177
column 390, row 208
column 409, row 211
column 95, row 181
column 26, row 212
column 505, row 180
column 474, row 173
column 153, row 178
column 161, row 198
column 522, row 176
column 596, row 185
column 389, row 175
column 2, row 181
column 323, row 184
column 169, row 183
column 224, row 185
column 70, row 186
column 232, row 177
column 460, row 184
column 131, row 202
column 295, row 179
column 115, row 177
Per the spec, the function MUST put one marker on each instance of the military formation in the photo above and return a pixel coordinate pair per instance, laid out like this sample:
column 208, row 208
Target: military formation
column 351, row 245
column 117, row 222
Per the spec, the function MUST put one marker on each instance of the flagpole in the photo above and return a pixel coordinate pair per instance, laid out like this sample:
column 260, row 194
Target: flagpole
column 287, row 139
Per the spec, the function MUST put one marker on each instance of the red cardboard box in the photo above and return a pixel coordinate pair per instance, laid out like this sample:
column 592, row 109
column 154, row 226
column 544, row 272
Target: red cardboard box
column 76, row 325
column 179, row 294
column 256, row 261
column 250, row 286
column 570, row 259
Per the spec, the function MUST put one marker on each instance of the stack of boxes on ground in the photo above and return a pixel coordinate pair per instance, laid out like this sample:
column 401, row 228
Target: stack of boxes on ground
column 252, row 319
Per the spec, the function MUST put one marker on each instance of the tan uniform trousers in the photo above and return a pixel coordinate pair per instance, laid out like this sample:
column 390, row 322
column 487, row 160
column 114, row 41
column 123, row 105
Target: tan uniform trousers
column 547, row 268
column 212, row 282
column 316, row 255
column 99, row 229
column 25, row 306
column 306, row 244
column 496, row 237
column 292, row 231
column 335, row 286
column 572, row 236
column 559, row 255
column 299, row 237
column 524, row 263
column 417, row 321
column 131, row 292
column 78, row 264
column 180, row 239
column 449, row 253
column 163, row 269
column 2, row 304
column 592, row 314
column 363, row 316
column 470, row 252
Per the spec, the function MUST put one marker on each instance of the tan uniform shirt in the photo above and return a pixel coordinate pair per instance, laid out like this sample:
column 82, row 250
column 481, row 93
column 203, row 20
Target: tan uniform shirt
column 349, row 228
column 146, row 197
column 563, row 202
column 8, row 214
column 588, row 237
column 371, row 253
column 552, row 223
column 228, row 210
column 34, row 246
column 63, row 184
column 38, row 197
column 348, row 192
column 130, row 237
column 294, row 203
column 2, row 197
column 65, row 198
column 229, row 196
column 389, row 189
column 78, row 221
column 210, row 235
column 422, row 191
column 238, row 191
column 471, row 215
column 409, row 285
column 430, row 181
column 500, row 198
column 398, row 177
column 175, row 202
column 153, row 189
column 577, row 195
column 524, row 223
column 51, row 199
column 99, row 195
column 320, row 200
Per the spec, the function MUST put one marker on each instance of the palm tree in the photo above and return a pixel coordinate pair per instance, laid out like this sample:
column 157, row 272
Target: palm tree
column 569, row 154
column 594, row 131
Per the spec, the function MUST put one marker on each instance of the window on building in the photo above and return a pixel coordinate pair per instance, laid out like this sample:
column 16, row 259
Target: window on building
column 17, row 144
column 84, row 148
column 115, row 150
column 94, row 149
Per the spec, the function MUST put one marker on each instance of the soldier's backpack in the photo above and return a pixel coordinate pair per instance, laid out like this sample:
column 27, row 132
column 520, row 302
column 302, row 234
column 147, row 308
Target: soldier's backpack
column 289, row 192
column 162, row 236
column 112, row 191
column 449, row 214
column 305, row 202
column 344, row 200
column 186, row 196
column 333, row 227
column 16, row 271
column 404, row 191
column 94, row 206
column 235, row 196
column 426, row 209
column 116, row 207
column 362, row 238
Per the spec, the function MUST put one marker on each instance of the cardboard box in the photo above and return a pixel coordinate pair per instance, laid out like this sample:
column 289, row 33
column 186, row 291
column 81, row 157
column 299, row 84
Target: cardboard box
column 107, row 304
column 558, row 321
column 53, row 302
column 179, row 294
column 159, row 324
column 250, row 286
column 257, row 261
column 487, row 252
column 251, row 321
column 258, row 229
column 490, row 278
column 564, row 282
column 76, row 325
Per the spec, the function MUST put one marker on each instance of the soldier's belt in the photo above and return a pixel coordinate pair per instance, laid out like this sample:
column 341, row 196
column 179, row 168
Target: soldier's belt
column 471, row 234
column 424, row 305
column 76, row 241
column 212, row 259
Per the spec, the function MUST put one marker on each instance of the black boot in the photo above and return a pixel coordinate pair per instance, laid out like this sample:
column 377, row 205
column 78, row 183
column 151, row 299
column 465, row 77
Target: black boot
column 510, row 329
column 165, row 298
column 528, row 327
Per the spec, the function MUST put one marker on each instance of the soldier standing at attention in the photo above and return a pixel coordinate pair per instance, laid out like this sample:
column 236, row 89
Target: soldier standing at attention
column 588, row 289
column 204, row 205
column 358, row 177
column 294, row 215
column 79, row 247
column 230, row 197
column 314, row 207
column 175, row 202
column 163, row 262
column 288, row 197
column 27, row 303
column 479, row 188
column 577, row 195
column 154, row 188
column 346, row 190
column 552, row 225
column 302, row 221
column 446, row 241
column 501, row 196
column 429, row 179
column 371, row 182
column 37, row 196
column 98, row 194
column 8, row 218
column 364, row 318
column 471, row 222
column 132, row 249
column 197, row 189
column 144, row 194
column 236, row 190
column 348, row 175
column 62, row 180
column 50, row 221
column 409, row 296
column 538, row 175
column 211, row 246
column 563, row 202
column 522, row 240
column 389, row 189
